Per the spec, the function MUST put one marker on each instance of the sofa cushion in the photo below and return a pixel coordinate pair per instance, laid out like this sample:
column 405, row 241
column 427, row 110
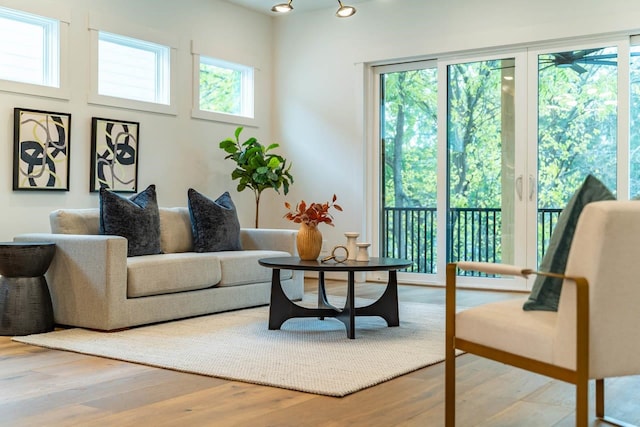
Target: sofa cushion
column 169, row 273
column 75, row 221
column 175, row 230
column 214, row 223
column 136, row 218
column 545, row 293
column 240, row 268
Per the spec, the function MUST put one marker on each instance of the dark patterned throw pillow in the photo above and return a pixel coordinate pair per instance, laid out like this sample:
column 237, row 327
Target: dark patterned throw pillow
column 136, row 218
column 214, row 223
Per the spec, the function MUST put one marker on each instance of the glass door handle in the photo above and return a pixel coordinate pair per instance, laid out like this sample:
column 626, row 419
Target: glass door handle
column 519, row 187
column 531, row 187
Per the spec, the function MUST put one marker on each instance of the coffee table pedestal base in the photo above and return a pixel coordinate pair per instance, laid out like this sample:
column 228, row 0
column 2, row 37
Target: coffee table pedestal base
column 282, row 308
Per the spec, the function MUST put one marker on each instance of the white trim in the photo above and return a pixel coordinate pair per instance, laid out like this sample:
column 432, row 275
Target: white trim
column 442, row 190
column 405, row 66
column 531, row 167
column 212, row 49
column 35, row 90
column 521, row 238
column 49, row 10
column 197, row 113
column 504, row 49
column 130, row 104
column 370, row 80
column 116, row 25
column 624, row 120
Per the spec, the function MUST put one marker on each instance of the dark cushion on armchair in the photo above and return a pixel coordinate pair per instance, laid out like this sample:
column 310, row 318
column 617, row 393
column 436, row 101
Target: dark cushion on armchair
column 545, row 294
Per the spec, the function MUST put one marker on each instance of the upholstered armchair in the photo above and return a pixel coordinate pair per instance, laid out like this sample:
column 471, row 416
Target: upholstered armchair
column 595, row 332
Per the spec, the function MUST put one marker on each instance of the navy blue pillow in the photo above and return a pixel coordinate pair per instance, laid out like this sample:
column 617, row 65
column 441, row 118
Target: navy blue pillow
column 545, row 293
column 137, row 219
column 214, row 223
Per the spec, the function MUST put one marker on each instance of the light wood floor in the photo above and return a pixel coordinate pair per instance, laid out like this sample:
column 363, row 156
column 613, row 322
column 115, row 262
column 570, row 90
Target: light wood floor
column 40, row 387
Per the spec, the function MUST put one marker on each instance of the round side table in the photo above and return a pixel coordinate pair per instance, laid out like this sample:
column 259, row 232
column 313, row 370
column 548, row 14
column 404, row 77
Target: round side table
column 25, row 302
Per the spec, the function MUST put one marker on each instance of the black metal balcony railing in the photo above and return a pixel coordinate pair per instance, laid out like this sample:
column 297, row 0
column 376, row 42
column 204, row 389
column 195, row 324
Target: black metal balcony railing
column 474, row 234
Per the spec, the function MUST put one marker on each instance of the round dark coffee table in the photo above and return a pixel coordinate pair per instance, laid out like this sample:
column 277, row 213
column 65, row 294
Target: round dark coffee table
column 282, row 308
column 25, row 302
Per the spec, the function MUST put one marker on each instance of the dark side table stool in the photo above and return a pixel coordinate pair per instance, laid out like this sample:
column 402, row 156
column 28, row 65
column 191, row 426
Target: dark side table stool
column 25, row 302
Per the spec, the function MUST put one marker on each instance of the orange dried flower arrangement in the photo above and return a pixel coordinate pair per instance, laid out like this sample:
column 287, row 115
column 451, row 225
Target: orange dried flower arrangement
column 312, row 214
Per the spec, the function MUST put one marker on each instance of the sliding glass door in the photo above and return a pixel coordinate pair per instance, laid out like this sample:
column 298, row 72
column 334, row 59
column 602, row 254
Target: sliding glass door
column 408, row 165
column 481, row 161
column 478, row 156
column 479, row 215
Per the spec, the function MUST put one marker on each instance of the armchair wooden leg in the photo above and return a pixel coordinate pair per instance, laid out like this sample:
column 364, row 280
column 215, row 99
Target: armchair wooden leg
column 600, row 398
column 450, row 349
column 450, row 388
column 600, row 407
column 582, row 403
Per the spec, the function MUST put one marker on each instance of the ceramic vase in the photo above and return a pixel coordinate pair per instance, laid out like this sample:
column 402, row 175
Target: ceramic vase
column 363, row 252
column 351, row 236
column 309, row 242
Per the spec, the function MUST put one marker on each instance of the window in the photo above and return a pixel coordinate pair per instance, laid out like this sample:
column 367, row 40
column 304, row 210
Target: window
column 225, row 87
column 29, row 48
column 223, row 90
column 132, row 66
column 133, row 69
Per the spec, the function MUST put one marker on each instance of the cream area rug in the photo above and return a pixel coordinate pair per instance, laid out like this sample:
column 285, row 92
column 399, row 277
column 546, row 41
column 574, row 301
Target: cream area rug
column 307, row 354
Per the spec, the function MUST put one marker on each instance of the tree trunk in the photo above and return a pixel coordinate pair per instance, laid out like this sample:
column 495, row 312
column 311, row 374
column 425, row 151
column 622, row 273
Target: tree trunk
column 400, row 196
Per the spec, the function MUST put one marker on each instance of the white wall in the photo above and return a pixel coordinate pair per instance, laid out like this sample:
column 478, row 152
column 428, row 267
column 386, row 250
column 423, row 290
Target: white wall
column 176, row 152
column 316, row 113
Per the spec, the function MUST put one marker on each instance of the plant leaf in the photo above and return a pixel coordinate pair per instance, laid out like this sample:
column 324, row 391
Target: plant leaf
column 273, row 163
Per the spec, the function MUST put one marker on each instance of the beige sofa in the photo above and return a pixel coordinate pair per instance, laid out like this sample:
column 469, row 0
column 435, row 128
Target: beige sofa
column 95, row 285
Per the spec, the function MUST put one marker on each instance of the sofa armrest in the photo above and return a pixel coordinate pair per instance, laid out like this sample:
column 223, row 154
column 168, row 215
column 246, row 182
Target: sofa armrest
column 269, row 239
column 87, row 277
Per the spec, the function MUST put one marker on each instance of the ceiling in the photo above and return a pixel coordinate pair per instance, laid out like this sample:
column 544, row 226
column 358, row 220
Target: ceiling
column 264, row 6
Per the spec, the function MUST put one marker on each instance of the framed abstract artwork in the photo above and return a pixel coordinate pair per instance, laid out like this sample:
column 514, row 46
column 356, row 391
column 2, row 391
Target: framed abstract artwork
column 114, row 155
column 41, row 150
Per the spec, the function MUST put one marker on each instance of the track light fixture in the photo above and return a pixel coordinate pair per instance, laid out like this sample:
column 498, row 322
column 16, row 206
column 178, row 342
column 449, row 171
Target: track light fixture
column 342, row 12
column 282, row 7
column 345, row 11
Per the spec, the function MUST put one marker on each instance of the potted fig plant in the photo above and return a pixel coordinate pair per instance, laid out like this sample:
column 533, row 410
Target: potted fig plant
column 257, row 167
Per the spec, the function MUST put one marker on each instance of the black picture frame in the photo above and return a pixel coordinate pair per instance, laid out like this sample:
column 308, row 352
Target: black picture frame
column 41, row 150
column 114, row 155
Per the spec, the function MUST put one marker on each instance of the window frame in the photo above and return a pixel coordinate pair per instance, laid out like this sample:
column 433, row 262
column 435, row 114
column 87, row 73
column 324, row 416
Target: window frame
column 248, row 91
column 60, row 88
column 105, row 24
